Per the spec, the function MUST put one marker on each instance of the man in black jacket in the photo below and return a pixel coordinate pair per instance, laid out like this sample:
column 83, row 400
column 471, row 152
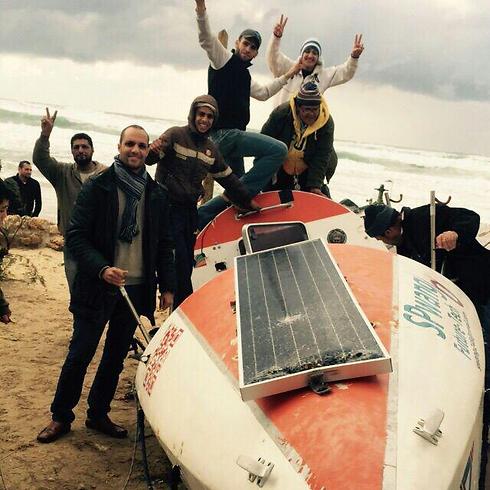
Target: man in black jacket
column 29, row 190
column 465, row 260
column 119, row 235
column 458, row 255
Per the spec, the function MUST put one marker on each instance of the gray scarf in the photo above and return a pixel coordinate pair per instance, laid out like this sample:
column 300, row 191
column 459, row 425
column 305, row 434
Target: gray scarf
column 133, row 185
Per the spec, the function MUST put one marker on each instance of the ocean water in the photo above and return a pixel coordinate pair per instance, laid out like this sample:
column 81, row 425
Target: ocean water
column 362, row 167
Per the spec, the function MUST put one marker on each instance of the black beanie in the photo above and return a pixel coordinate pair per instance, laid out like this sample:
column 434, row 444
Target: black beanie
column 378, row 218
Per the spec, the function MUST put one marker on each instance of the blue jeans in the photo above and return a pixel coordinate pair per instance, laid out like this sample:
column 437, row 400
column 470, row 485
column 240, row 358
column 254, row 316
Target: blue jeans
column 83, row 344
column 235, row 144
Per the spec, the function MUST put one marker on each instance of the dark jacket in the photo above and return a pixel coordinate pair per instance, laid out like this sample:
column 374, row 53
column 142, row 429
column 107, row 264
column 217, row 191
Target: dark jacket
column 91, row 238
column 319, row 154
column 186, row 159
column 230, row 86
column 30, row 196
column 468, row 264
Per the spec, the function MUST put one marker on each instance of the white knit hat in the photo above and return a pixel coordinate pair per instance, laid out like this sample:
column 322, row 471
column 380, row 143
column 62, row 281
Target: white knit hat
column 312, row 43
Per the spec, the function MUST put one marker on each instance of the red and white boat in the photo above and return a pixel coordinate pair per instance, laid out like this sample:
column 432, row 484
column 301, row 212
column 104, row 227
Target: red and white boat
column 416, row 428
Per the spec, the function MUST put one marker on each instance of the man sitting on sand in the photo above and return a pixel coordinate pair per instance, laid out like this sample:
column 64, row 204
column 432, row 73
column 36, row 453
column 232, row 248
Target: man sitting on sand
column 138, row 256
column 66, row 178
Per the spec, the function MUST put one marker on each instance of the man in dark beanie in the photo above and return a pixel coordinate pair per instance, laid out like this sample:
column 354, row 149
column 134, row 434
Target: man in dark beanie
column 459, row 256
column 305, row 126
column 465, row 260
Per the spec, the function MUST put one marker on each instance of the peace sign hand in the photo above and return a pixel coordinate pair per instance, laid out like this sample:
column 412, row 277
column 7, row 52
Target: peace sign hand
column 279, row 27
column 47, row 123
column 358, row 47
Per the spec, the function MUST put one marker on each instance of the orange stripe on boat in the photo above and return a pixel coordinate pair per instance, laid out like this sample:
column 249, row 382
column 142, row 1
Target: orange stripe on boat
column 306, row 207
column 341, row 437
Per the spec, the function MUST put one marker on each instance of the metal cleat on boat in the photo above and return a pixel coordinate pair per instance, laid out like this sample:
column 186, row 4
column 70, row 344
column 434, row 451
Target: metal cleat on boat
column 258, row 470
column 429, row 428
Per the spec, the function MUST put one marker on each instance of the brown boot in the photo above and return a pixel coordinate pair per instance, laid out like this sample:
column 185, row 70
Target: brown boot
column 53, row 431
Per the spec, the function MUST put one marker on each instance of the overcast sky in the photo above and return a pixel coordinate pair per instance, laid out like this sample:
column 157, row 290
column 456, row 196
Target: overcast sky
column 422, row 80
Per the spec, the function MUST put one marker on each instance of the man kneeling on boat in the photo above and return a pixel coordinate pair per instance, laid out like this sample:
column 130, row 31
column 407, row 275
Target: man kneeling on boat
column 119, row 235
column 305, row 126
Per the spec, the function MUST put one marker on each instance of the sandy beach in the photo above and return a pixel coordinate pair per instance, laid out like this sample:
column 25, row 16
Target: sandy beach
column 31, row 351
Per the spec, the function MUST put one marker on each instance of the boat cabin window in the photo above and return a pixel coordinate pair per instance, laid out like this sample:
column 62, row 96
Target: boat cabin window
column 263, row 236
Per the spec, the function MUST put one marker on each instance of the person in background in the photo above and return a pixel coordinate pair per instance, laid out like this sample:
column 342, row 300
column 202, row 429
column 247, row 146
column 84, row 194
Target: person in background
column 230, row 83
column 120, row 236
column 466, row 262
column 5, row 197
column 305, row 126
column 29, row 191
column 66, row 178
column 184, row 156
column 312, row 67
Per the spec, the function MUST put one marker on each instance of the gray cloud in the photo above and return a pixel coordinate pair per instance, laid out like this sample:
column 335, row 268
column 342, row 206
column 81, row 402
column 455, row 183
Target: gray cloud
column 437, row 47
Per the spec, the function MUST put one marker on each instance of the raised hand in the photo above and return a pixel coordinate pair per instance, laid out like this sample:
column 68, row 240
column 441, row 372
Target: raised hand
column 47, row 123
column 279, row 27
column 200, row 6
column 358, row 47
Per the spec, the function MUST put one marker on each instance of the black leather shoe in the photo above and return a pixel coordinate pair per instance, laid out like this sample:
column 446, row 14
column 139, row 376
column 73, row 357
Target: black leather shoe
column 107, row 427
column 53, row 431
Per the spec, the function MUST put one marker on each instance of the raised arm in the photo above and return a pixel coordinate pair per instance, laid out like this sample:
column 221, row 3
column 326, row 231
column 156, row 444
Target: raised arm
column 264, row 92
column 218, row 55
column 277, row 61
column 47, row 165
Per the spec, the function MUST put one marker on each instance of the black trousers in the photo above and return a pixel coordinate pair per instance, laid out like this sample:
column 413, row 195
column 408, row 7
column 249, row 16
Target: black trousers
column 184, row 227
column 83, row 344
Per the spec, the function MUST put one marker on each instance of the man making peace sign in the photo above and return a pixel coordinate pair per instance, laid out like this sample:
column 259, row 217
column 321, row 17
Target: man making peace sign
column 66, row 178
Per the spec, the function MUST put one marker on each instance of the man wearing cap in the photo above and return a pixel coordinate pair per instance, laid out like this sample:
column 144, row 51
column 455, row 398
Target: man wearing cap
column 184, row 156
column 305, row 126
column 312, row 68
column 230, row 83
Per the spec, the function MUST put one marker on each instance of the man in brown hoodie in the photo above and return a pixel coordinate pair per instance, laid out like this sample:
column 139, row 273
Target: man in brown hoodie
column 184, row 156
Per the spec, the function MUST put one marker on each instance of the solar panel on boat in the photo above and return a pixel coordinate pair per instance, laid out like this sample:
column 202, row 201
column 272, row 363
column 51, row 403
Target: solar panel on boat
column 296, row 313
